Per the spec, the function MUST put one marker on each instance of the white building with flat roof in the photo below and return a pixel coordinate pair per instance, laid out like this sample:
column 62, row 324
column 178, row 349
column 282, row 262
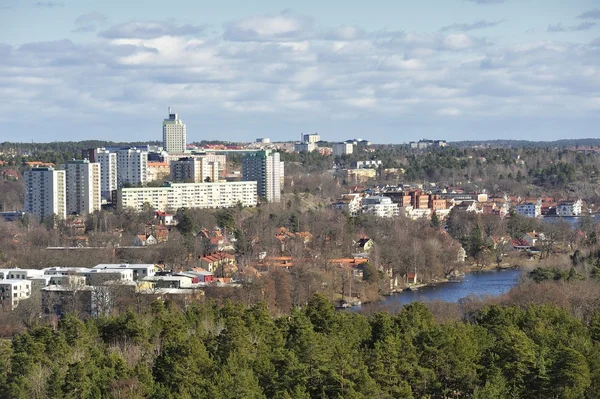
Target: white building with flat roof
column 174, row 134
column 45, row 193
column 139, row 270
column 132, row 167
column 83, row 187
column 530, row 209
column 380, row 206
column 12, row 291
column 174, row 196
column 108, row 171
column 571, row 208
column 340, row 149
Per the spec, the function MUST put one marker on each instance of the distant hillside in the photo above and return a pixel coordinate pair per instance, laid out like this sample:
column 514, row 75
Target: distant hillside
column 594, row 142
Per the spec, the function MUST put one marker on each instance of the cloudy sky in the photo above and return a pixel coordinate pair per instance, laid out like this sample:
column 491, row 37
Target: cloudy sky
column 387, row 70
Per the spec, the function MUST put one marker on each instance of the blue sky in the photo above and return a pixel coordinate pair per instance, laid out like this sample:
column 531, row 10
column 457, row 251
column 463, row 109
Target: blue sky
column 391, row 71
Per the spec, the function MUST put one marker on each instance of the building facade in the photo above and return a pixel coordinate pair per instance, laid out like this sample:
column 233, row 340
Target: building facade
column 83, row 185
column 189, row 195
column 530, row 209
column 569, row 208
column 195, row 170
column 267, row 170
column 132, row 167
column 45, row 192
column 311, row 138
column 108, row 171
column 174, row 134
column 340, row 149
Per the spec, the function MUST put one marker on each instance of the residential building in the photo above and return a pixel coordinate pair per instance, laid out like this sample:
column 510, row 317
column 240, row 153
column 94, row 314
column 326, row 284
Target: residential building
column 373, row 163
column 195, row 170
column 305, row 147
column 12, row 291
column 530, row 209
column 569, row 208
column 132, row 167
column 349, row 203
column 380, row 206
column 174, row 134
column 140, row 270
column 266, row 169
column 219, row 160
column 311, row 138
column 45, row 192
column 157, row 171
column 83, row 187
column 340, row 149
column 173, row 196
column 108, row 170
column 263, row 140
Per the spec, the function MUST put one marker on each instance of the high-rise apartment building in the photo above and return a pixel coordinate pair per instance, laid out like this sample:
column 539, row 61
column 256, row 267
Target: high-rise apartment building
column 132, row 167
column 266, row 168
column 82, row 187
column 194, row 170
column 45, row 192
column 174, row 137
column 108, row 171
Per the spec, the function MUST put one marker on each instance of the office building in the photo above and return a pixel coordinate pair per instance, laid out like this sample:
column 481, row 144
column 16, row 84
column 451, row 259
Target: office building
column 82, row 179
column 108, row 170
column 132, row 167
column 45, row 192
column 174, row 135
column 174, row 196
column 265, row 168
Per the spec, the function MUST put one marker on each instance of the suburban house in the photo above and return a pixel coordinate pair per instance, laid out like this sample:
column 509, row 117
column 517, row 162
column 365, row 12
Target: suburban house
column 142, row 240
column 364, row 244
column 165, row 218
column 214, row 261
column 533, row 238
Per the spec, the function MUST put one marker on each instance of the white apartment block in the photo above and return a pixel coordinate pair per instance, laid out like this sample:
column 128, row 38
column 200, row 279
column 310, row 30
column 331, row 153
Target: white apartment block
column 83, row 187
column 311, row 138
column 132, row 167
column 174, row 134
column 12, row 291
column 350, row 203
column 175, row 196
column 195, row 170
column 569, row 208
column 305, row 147
column 265, row 168
column 108, row 171
column 217, row 159
column 45, row 192
column 343, row 149
column 530, row 209
column 139, row 270
column 380, row 207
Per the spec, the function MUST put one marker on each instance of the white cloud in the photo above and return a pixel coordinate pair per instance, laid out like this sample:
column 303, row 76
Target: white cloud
column 292, row 72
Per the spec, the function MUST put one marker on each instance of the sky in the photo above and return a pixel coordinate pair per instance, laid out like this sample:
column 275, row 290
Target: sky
column 390, row 71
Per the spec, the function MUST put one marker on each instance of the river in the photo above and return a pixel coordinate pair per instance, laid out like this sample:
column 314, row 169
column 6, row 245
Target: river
column 484, row 283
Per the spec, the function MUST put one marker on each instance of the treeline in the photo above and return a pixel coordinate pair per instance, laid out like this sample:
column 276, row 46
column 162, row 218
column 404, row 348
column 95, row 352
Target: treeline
column 230, row 351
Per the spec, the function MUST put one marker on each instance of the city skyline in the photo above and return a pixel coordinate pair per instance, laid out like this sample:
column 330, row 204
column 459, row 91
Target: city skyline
column 391, row 72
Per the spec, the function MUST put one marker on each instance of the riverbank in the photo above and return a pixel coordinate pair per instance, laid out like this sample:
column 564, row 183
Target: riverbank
column 479, row 283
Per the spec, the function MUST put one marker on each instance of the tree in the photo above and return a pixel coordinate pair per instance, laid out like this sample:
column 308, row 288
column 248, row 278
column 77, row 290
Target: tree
column 187, row 226
column 435, row 220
